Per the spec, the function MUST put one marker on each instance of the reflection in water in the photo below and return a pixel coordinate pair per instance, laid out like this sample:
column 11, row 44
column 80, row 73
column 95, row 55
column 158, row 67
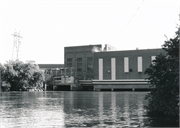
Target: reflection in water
column 72, row 109
column 101, row 108
column 113, row 106
column 140, row 110
column 126, row 110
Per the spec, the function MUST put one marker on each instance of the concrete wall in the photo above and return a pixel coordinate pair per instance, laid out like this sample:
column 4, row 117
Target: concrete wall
column 145, row 86
column 119, row 62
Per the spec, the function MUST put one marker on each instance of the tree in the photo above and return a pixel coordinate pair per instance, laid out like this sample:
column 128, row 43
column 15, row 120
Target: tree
column 163, row 108
column 1, row 71
column 50, row 83
column 22, row 75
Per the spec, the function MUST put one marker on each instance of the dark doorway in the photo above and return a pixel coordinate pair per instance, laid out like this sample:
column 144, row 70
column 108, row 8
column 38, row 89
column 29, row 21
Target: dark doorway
column 123, row 89
column 63, row 88
column 105, row 89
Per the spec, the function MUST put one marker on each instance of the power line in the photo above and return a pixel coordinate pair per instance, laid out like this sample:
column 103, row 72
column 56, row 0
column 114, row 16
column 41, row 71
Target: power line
column 132, row 16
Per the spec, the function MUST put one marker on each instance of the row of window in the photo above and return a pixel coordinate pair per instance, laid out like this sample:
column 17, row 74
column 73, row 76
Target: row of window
column 69, row 62
column 126, row 66
column 139, row 63
column 79, row 62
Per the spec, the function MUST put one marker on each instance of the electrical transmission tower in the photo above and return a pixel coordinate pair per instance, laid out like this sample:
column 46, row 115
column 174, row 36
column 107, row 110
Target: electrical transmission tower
column 16, row 47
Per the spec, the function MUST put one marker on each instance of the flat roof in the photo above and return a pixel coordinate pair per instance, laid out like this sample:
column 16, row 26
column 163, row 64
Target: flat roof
column 85, row 45
column 117, row 50
column 50, row 65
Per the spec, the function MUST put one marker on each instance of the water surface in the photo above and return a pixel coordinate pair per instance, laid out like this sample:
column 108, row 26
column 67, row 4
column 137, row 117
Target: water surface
column 72, row 109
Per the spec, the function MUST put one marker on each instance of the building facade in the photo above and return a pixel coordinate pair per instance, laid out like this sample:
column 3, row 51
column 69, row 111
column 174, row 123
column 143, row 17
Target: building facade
column 81, row 59
column 51, row 70
column 116, row 65
column 99, row 68
column 91, row 62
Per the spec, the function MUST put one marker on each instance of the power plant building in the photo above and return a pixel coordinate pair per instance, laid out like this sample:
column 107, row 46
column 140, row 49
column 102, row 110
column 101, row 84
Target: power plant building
column 129, row 64
column 97, row 67
column 91, row 62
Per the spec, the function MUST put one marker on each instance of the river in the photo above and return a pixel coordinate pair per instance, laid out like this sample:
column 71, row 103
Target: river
column 72, row 109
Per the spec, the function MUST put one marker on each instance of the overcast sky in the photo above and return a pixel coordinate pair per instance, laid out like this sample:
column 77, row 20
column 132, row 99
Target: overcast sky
column 47, row 26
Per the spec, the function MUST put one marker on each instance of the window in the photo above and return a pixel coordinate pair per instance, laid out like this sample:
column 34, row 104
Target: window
column 69, row 62
column 113, row 68
column 126, row 64
column 153, row 58
column 100, row 69
column 79, row 65
column 139, row 64
column 89, row 63
column 67, row 72
column 62, row 71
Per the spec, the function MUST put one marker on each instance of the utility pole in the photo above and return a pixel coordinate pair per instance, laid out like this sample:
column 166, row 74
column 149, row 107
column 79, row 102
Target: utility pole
column 16, row 47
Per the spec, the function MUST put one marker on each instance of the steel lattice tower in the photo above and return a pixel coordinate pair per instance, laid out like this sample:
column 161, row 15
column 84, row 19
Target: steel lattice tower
column 16, row 47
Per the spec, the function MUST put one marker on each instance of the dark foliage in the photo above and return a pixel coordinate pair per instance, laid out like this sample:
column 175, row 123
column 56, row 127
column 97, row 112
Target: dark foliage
column 163, row 108
column 50, row 82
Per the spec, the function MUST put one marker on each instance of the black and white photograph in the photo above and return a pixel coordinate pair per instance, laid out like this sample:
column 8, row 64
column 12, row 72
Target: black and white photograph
column 89, row 63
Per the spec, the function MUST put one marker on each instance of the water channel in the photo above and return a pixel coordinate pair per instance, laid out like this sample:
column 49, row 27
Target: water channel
column 72, row 109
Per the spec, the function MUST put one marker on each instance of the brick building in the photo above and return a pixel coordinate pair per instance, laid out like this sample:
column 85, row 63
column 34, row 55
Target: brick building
column 102, row 68
column 81, row 58
column 129, row 64
column 91, row 62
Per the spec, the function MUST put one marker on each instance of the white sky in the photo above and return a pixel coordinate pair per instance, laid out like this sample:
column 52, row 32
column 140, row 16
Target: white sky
column 47, row 26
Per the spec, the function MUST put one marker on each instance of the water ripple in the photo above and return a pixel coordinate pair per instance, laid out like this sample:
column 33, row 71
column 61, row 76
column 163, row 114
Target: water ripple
column 72, row 109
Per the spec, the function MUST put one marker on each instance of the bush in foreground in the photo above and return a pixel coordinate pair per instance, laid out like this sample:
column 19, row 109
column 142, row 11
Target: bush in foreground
column 163, row 108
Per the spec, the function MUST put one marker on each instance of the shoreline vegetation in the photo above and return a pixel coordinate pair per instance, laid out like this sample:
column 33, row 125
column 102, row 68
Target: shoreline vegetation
column 20, row 76
column 163, row 107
